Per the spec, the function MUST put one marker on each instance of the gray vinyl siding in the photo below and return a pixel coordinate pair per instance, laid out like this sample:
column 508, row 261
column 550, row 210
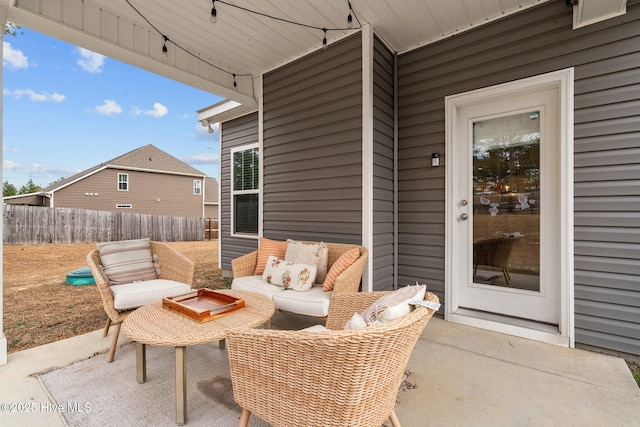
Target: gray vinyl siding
column 234, row 133
column 382, row 257
column 312, row 146
column 606, row 57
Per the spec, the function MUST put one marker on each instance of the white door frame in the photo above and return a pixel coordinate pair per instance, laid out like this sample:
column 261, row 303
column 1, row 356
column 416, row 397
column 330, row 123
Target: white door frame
column 563, row 81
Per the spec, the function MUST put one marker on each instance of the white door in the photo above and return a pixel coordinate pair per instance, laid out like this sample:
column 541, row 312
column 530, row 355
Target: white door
column 505, row 204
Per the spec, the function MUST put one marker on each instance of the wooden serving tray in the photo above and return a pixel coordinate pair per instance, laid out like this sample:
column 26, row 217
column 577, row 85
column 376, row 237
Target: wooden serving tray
column 203, row 305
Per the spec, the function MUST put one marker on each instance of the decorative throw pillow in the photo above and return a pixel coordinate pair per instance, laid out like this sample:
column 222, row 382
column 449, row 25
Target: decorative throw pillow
column 298, row 277
column 341, row 264
column 394, row 305
column 309, row 253
column 127, row 261
column 269, row 247
column 356, row 322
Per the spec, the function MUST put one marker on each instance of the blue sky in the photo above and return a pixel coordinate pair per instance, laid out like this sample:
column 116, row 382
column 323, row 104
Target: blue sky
column 67, row 109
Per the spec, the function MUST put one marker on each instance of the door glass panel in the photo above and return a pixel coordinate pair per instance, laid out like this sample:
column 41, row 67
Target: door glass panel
column 506, row 195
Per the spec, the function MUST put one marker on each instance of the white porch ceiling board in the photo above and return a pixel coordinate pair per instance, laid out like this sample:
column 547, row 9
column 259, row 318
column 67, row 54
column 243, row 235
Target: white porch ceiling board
column 87, row 29
column 241, row 42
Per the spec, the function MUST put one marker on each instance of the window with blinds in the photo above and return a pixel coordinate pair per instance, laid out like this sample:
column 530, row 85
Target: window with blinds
column 245, row 189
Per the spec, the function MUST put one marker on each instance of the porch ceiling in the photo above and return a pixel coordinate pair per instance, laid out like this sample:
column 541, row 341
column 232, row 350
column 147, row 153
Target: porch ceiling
column 242, row 43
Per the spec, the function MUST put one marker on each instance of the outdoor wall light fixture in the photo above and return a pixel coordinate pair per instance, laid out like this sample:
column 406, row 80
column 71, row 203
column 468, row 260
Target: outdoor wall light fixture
column 435, row 160
column 205, row 123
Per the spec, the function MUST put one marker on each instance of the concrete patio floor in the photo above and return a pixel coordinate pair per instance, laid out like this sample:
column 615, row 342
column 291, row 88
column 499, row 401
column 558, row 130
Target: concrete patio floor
column 463, row 376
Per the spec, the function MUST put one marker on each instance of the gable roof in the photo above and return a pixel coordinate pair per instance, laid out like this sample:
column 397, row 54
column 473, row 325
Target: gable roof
column 147, row 158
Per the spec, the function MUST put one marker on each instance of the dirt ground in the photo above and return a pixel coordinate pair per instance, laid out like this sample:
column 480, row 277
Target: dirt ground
column 39, row 307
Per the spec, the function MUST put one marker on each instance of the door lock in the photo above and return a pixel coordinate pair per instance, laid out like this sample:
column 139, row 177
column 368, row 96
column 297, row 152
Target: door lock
column 463, row 202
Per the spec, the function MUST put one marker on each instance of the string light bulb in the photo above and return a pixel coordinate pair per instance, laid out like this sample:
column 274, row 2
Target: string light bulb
column 350, row 17
column 235, row 84
column 214, row 13
column 324, row 40
column 165, row 51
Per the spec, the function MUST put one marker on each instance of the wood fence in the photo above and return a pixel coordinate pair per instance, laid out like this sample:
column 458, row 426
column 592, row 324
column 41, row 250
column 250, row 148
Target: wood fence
column 34, row 224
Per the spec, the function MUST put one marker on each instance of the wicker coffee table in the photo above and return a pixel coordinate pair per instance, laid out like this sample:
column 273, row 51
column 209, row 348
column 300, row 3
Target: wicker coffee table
column 155, row 325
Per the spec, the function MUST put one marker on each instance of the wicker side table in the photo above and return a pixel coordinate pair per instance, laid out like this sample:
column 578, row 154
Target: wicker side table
column 155, row 325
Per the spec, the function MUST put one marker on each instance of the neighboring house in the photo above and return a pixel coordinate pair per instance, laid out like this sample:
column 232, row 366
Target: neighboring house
column 211, row 196
column 146, row 180
column 384, row 139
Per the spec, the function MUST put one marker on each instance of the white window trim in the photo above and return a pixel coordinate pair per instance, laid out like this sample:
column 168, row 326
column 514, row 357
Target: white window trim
column 232, row 192
column 197, row 184
column 127, row 181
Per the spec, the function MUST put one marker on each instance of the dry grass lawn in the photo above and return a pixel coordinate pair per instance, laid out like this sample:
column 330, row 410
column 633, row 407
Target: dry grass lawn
column 39, row 307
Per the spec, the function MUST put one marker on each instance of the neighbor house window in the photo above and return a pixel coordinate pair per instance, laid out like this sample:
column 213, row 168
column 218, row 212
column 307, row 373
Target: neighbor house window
column 123, row 182
column 244, row 191
column 197, row 187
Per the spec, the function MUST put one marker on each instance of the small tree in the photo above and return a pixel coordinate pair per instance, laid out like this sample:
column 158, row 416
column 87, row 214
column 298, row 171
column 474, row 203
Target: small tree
column 56, row 181
column 11, row 29
column 29, row 188
column 8, row 189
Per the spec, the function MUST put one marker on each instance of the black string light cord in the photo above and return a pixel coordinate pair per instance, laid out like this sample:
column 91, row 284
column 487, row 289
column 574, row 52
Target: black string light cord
column 214, row 14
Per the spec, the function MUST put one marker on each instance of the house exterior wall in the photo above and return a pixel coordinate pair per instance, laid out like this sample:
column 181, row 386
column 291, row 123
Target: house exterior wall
column 211, row 211
column 31, row 199
column 149, row 193
column 312, row 146
column 382, row 252
column 606, row 57
column 234, row 133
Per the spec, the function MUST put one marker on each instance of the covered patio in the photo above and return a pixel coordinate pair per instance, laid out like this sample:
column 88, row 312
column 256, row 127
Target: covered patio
column 462, row 376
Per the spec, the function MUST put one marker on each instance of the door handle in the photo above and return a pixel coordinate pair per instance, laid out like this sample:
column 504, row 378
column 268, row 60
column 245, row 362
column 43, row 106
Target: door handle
column 464, row 217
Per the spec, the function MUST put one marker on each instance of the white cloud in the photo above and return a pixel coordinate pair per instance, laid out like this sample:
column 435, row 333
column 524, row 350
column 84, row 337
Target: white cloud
column 12, row 58
column 109, row 107
column 37, row 170
column 159, row 110
column 201, row 159
column 34, row 96
column 8, row 149
column 90, row 62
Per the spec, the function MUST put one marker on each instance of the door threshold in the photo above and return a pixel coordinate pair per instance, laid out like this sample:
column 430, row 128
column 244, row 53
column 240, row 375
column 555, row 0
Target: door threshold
column 519, row 327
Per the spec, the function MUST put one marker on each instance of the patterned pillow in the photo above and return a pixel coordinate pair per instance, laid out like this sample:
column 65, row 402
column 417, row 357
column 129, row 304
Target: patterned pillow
column 269, row 247
column 309, row 253
column 127, row 261
column 394, row 305
column 341, row 264
column 298, row 277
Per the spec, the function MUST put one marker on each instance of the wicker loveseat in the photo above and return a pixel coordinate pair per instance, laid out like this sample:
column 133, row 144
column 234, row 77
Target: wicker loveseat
column 329, row 378
column 314, row 302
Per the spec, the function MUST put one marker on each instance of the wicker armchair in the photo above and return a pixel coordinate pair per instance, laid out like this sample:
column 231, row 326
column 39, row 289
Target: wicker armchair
column 333, row 378
column 173, row 266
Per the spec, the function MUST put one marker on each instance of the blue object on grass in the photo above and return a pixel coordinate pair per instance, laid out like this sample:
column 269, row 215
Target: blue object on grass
column 80, row 277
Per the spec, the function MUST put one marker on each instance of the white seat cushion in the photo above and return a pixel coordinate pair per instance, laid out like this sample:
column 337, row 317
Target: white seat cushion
column 137, row 294
column 257, row 285
column 314, row 302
